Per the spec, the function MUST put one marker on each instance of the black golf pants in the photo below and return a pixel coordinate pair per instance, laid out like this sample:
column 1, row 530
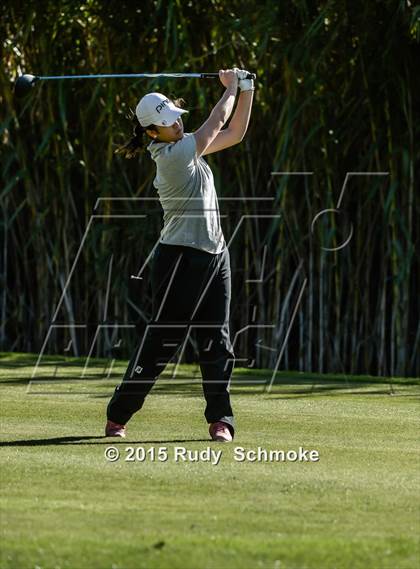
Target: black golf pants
column 191, row 294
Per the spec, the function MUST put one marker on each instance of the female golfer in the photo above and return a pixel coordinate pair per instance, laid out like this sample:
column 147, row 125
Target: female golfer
column 190, row 270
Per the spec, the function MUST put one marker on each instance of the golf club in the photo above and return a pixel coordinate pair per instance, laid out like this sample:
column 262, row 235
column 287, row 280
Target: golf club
column 24, row 83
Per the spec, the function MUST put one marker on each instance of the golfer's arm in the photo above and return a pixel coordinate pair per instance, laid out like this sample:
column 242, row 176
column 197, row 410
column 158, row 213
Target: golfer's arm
column 238, row 125
column 218, row 117
column 240, row 120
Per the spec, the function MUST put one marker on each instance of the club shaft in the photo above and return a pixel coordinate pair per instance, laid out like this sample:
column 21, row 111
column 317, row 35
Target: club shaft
column 131, row 75
column 120, row 75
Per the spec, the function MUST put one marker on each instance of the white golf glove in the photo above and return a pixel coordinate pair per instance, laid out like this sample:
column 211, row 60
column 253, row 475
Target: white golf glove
column 244, row 84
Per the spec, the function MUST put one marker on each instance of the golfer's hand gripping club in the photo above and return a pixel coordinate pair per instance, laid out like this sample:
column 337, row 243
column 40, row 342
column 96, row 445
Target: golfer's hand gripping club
column 246, row 79
column 229, row 78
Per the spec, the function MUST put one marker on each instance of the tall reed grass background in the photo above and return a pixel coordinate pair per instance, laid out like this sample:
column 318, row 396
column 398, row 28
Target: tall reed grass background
column 336, row 92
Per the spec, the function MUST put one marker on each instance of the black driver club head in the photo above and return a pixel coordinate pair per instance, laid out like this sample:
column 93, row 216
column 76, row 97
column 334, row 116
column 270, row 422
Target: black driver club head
column 24, row 84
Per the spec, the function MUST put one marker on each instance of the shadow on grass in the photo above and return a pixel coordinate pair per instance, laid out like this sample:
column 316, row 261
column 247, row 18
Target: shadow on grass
column 15, row 360
column 92, row 441
column 62, row 379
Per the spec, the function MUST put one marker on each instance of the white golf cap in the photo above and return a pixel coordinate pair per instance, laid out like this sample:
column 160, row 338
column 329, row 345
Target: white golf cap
column 155, row 108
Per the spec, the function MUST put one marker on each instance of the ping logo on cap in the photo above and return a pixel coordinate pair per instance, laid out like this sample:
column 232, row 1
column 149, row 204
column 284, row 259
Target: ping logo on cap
column 162, row 105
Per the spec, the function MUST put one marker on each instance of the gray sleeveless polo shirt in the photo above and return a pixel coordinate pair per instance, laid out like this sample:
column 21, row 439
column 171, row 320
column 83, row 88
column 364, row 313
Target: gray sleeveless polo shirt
column 185, row 185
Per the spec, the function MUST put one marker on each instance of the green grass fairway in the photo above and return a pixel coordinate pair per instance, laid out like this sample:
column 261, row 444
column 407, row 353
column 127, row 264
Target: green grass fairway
column 64, row 506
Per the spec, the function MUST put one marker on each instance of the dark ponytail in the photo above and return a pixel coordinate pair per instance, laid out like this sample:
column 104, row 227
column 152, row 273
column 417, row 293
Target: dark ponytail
column 138, row 141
